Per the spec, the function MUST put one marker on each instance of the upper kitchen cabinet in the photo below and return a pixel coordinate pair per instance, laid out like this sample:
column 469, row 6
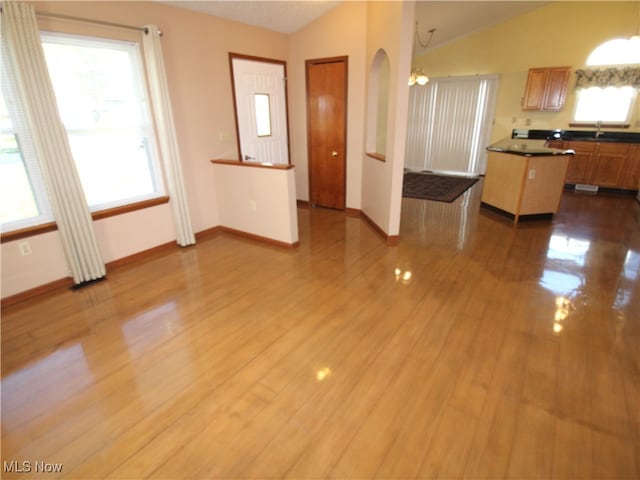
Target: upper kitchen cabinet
column 546, row 89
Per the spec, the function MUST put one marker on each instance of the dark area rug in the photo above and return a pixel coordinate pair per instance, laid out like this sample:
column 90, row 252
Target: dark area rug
column 431, row 186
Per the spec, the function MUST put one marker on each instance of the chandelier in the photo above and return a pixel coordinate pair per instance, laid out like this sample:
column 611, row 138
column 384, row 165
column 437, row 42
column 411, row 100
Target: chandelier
column 417, row 74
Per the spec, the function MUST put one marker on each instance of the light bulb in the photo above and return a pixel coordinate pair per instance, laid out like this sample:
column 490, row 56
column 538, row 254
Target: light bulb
column 422, row 79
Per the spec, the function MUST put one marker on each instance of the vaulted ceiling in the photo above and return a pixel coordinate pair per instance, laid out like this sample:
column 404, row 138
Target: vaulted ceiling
column 452, row 19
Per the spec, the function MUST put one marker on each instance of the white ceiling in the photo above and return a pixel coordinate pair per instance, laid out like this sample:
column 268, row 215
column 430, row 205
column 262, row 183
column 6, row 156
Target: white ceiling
column 452, row 19
column 284, row 16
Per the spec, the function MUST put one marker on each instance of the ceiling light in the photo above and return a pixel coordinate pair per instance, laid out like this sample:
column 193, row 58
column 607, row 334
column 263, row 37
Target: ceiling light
column 417, row 75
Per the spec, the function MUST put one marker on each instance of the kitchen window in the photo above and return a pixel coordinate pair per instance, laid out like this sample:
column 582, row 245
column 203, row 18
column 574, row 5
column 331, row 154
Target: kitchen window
column 103, row 105
column 605, row 95
column 606, row 106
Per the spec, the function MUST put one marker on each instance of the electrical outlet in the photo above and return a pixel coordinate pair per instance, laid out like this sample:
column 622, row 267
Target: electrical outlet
column 252, row 205
column 25, row 248
column 532, row 174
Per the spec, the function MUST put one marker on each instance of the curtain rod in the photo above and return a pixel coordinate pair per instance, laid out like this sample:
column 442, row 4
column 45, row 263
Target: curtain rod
column 97, row 22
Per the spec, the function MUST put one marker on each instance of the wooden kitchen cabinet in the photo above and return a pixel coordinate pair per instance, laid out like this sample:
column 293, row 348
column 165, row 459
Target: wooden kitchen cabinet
column 631, row 175
column 604, row 164
column 580, row 164
column 546, row 89
column 609, row 164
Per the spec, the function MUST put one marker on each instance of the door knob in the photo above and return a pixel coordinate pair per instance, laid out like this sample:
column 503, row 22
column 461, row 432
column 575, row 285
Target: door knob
column 334, row 154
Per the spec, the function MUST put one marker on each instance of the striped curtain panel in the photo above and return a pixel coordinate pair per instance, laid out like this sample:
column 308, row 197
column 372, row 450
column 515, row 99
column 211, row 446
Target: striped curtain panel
column 166, row 134
column 450, row 122
column 23, row 50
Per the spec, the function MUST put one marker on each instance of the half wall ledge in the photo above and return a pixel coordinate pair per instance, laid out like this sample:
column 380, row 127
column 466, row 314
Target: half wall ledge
column 258, row 202
column 238, row 163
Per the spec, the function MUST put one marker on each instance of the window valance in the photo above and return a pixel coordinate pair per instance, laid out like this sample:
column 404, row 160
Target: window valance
column 608, row 77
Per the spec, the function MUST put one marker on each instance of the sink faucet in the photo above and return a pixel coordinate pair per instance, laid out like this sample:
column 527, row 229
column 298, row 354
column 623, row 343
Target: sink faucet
column 598, row 126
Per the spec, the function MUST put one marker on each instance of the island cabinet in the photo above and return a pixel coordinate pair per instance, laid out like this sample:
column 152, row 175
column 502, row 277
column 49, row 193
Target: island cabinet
column 604, row 164
column 524, row 185
column 546, row 89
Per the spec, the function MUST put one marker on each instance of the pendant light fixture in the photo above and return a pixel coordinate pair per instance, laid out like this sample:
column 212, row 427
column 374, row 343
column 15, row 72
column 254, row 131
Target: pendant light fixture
column 417, row 74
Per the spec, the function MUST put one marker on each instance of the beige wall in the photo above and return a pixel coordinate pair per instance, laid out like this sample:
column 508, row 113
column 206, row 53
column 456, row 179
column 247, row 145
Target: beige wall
column 557, row 34
column 389, row 27
column 196, row 50
column 258, row 201
column 340, row 32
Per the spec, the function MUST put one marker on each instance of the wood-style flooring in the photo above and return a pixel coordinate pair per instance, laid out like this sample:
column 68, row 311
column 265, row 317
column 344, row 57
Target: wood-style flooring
column 472, row 349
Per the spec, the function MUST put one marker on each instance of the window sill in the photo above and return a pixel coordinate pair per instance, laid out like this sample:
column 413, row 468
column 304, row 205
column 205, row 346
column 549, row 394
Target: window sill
column 28, row 232
column 377, row 156
column 109, row 212
column 130, row 207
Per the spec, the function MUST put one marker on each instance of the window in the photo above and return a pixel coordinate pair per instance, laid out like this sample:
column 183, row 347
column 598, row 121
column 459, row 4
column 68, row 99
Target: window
column 102, row 102
column 23, row 198
column 610, row 105
column 263, row 114
column 450, row 121
column 606, row 96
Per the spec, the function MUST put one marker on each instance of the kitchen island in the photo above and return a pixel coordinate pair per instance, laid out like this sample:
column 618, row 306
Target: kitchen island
column 524, row 177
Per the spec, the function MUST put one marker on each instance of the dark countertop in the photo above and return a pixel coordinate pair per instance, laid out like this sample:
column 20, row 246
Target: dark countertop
column 527, row 148
column 580, row 135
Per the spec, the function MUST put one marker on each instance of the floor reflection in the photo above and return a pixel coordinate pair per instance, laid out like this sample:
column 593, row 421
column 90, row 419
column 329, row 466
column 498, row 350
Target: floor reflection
column 442, row 223
column 588, row 249
column 66, row 366
column 562, row 247
column 144, row 331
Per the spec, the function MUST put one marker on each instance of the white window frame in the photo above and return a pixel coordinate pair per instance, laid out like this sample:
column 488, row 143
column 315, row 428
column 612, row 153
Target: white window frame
column 599, row 121
column 147, row 127
column 28, row 155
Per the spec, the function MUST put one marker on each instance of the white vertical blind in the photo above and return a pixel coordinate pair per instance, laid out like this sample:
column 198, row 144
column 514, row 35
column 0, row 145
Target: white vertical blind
column 450, row 122
column 167, row 138
column 21, row 39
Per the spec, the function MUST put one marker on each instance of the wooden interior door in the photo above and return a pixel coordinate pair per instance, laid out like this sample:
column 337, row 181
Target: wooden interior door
column 327, row 131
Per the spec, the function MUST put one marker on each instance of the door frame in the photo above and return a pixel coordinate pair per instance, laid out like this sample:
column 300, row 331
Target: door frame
column 242, row 56
column 307, row 64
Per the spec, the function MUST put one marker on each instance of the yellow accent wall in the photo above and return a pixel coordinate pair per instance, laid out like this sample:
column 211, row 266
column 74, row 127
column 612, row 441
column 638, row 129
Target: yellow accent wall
column 556, row 34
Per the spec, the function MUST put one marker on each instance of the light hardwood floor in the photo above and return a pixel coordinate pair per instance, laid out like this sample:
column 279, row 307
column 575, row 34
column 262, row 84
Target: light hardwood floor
column 472, row 350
